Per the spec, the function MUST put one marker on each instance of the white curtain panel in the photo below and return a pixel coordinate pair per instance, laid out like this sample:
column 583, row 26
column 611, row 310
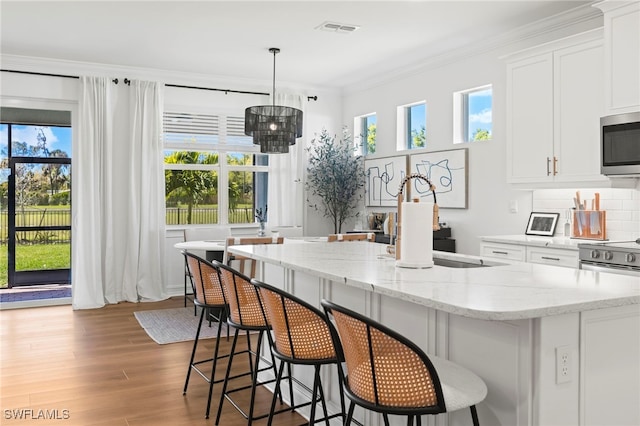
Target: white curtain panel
column 118, row 198
column 285, row 198
column 143, row 277
column 93, row 228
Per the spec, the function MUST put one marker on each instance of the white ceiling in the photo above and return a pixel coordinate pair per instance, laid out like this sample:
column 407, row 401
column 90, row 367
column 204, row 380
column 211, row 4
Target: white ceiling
column 231, row 38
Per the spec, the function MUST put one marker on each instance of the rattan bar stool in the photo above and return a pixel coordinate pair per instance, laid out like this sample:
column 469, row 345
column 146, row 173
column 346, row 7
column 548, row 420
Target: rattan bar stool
column 301, row 335
column 389, row 374
column 209, row 297
column 245, row 314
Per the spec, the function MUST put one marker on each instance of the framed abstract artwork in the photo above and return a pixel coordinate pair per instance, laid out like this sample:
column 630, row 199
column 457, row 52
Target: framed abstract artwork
column 448, row 171
column 384, row 176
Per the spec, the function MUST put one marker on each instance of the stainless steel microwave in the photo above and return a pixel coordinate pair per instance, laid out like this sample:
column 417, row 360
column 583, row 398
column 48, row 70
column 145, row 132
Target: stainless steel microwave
column 620, row 144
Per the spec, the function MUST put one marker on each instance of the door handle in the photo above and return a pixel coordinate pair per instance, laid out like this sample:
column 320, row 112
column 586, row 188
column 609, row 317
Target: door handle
column 548, row 164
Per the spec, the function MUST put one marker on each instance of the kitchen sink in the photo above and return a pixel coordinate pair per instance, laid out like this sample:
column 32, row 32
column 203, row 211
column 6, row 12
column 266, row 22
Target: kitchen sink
column 449, row 263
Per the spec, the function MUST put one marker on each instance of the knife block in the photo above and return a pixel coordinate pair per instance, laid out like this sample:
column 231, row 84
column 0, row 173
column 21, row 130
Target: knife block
column 589, row 224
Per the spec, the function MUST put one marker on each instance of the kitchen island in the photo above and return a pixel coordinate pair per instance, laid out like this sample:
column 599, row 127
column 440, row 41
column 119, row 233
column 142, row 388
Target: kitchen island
column 556, row 346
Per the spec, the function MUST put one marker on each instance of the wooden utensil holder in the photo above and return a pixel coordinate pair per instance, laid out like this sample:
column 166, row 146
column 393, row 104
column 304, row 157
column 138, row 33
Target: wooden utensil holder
column 589, row 224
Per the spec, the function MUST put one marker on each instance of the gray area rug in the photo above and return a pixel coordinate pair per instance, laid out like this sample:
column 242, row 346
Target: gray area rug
column 175, row 325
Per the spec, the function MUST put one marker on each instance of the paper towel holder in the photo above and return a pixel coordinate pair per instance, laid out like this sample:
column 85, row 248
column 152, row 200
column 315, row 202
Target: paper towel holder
column 400, row 197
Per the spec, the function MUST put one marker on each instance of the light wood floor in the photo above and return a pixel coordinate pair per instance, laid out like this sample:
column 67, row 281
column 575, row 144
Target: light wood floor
column 99, row 367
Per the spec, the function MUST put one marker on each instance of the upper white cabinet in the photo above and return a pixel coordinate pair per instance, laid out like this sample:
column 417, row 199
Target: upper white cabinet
column 622, row 55
column 554, row 103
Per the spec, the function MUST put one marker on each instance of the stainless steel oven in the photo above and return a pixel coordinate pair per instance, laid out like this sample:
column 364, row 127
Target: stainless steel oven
column 622, row 257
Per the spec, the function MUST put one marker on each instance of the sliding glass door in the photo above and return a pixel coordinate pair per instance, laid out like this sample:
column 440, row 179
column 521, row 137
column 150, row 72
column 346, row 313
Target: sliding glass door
column 36, row 204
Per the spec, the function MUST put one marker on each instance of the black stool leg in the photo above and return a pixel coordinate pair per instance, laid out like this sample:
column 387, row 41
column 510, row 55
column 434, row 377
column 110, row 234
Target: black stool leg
column 193, row 354
column 226, row 376
column 213, row 368
column 276, row 390
column 254, row 377
column 347, row 421
column 474, row 415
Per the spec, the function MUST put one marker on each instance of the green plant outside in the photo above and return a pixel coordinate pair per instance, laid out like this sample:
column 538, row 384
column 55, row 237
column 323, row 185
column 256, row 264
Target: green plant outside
column 29, row 257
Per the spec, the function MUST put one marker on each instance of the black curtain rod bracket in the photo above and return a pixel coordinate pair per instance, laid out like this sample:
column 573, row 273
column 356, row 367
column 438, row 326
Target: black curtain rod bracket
column 312, row 98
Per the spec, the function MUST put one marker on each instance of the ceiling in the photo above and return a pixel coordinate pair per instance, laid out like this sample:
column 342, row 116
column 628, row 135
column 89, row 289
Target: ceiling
column 232, row 38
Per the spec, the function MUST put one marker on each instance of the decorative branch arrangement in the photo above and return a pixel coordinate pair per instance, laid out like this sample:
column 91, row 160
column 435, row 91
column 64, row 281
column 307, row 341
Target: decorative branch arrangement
column 260, row 216
column 336, row 176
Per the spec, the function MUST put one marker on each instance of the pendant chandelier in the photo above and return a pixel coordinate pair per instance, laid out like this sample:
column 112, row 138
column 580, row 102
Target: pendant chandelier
column 273, row 127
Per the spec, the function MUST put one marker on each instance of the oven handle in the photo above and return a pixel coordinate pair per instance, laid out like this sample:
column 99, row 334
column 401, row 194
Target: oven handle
column 612, row 269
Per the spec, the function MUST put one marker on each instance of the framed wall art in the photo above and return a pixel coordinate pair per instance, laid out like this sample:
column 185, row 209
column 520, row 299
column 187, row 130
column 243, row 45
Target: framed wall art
column 448, row 171
column 383, row 179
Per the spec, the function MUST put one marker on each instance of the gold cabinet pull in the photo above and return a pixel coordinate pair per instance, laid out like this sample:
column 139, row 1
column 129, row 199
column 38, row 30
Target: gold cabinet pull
column 555, row 165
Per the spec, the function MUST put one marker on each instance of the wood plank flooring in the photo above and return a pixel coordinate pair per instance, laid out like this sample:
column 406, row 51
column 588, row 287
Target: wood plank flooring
column 98, row 367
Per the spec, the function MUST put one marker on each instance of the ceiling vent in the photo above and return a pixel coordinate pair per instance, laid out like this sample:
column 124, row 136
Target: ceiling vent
column 337, row 27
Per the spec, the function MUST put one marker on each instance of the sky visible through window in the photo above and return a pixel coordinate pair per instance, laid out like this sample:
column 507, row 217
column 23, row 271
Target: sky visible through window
column 56, row 137
column 480, row 111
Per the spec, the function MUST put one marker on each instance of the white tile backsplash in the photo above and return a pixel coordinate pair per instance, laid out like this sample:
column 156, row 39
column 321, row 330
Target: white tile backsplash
column 622, row 206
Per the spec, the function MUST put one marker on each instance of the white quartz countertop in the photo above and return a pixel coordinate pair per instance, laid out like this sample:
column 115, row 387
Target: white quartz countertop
column 506, row 291
column 538, row 241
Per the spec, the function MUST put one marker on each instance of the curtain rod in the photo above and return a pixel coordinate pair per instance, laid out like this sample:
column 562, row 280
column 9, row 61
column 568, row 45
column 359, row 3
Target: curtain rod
column 216, row 90
column 127, row 82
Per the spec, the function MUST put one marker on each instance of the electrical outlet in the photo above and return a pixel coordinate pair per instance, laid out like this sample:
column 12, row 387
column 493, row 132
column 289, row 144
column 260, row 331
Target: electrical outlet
column 564, row 365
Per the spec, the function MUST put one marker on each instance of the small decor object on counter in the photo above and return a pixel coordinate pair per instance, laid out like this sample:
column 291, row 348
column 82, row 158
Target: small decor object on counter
column 262, row 218
column 589, row 224
column 542, row 224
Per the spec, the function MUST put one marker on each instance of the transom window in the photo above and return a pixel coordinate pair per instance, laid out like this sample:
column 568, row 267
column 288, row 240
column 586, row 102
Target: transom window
column 214, row 174
column 472, row 115
column 365, row 133
column 412, row 127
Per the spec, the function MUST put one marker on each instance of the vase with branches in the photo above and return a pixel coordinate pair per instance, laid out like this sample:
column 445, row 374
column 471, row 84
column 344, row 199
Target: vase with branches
column 335, row 176
column 261, row 216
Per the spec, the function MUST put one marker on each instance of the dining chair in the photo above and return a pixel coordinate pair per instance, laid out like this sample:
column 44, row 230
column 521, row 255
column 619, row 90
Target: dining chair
column 243, row 264
column 361, row 236
column 300, row 335
column 209, row 296
column 201, row 234
column 389, row 374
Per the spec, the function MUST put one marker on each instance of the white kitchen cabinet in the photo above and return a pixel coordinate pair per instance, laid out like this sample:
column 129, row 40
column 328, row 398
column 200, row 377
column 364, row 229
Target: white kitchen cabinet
column 503, row 251
column 622, row 55
column 551, row 256
column 558, row 251
column 554, row 104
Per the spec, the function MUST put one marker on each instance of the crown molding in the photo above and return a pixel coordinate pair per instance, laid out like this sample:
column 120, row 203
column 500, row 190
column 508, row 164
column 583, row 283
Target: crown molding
column 76, row 68
column 583, row 15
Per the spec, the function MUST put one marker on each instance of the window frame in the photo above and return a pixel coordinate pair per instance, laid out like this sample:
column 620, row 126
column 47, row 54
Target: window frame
column 461, row 132
column 223, row 168
column 361, row 132
column 404, row 125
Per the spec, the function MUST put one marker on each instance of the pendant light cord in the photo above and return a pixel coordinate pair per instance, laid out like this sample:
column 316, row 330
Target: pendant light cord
column 274, row 50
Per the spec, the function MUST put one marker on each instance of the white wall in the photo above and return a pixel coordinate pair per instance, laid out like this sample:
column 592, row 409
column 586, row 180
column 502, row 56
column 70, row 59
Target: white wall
column 490, row 196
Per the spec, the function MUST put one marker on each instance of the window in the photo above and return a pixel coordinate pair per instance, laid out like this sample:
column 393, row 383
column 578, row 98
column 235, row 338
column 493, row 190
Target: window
column 472, row 114
column 412, row 128
column 213, row 172
column 365, row 133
